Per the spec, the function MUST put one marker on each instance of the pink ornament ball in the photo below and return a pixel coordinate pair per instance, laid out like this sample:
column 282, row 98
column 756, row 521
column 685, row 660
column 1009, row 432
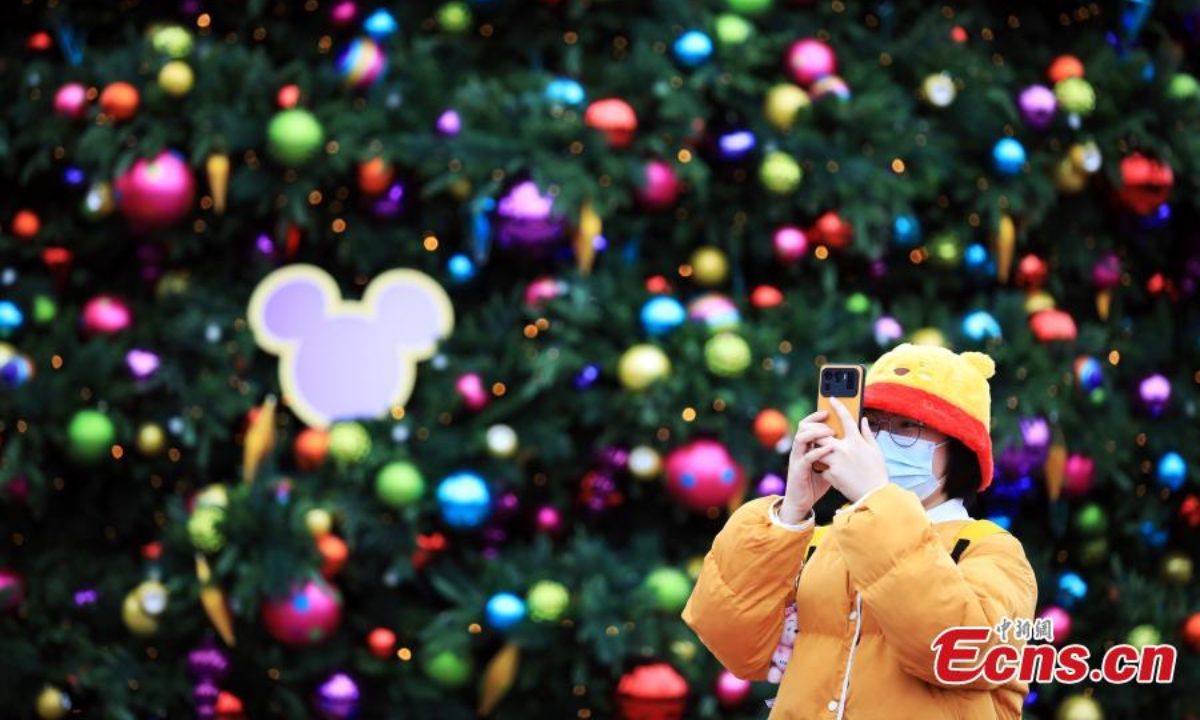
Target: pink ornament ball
column 1078, row 475
column 549, row 519
column 790, row 243
column 470, row 388
column 12, row 589
column 106, row 315
column 155, row 193
column 1060, row 620
column 541, row 289
column 809, row 60
column 307, row 615
column 702, row 475
column 887, row 331
column 343, row 13
column 660, row 188
column 71, row 101
column 731, row 690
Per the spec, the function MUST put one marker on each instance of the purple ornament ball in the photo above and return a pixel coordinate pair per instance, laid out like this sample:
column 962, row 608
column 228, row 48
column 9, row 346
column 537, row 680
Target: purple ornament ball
column 1155, row 393
column 208, row 661
column 1035, row 433
column 391, row 203
column 770, row 484
column 338, row 697
column 887, row 331
column 526, row 221
column 1037, row 104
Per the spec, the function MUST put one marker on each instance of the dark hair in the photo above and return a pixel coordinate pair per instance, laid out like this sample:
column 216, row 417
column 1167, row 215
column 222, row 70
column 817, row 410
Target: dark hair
column 962, row 472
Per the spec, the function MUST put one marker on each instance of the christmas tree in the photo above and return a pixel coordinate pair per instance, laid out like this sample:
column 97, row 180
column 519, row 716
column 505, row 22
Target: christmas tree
column 629, row 233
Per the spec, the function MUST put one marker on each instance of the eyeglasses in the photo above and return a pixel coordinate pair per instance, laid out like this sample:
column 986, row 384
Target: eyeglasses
column 907, row 432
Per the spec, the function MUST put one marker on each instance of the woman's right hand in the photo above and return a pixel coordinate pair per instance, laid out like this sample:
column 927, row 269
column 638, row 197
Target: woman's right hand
column 804, row 485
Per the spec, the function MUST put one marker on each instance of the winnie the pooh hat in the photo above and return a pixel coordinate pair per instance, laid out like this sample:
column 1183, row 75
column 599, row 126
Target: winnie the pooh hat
column 945, row 390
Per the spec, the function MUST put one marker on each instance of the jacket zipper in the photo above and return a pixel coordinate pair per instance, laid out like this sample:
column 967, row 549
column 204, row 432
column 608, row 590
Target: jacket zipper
column 850, row 657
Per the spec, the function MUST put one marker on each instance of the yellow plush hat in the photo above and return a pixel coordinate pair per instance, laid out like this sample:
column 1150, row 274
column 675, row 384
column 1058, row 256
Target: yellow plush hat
column 945, row 390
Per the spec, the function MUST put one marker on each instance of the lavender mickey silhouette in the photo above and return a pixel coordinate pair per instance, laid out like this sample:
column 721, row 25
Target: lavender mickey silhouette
column 343, row 359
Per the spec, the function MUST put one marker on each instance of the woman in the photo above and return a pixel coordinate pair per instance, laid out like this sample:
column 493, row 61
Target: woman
column 889, row 574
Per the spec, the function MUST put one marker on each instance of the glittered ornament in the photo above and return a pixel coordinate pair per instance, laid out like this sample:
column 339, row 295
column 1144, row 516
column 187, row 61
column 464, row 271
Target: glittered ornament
column 119, row 101
column 669, row 587
column 1037, row 105
column 349, row 442
column 362, row 63
column 727, row 354
column 1079, row 707
column 310, row 448
column 1075, row 95
column 547, row 601
column 702, row 475
column 1146, row 183
column 660, row 186
column 90, row 435
column 780, row 173
column 143, row 607
column 338, row 697
column 1171, row 471
column 809, row 60
column 615, row 118
column 1154, row 392
column 307, row 615
column 464, row 499
column 12, row 589
column 156, row 193
column 652, row 692
column 52, row 703
column 1008, row 156
column 447, row 668
column 662, row 314
column 832, row 231
column 938, row 90
column 70, row 101
column 526, row 221
column 830, row 86
column 716, row 311
column 294, row 136
column 504, row 610
column 783, row 104
column 693, row 48
column 641, row 366
column 731, row 690
column 176, row 78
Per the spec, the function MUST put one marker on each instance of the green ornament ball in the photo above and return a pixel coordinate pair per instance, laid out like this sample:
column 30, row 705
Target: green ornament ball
column 670, row 588
column 173, row 40
column 780, row 173
column 294, row 136
column 448, row 668
column 547, row 600
column 454, row 17
column 90, row 435
column 858, row 303
column 944, row 250
column 1098, row 396
column 727, row 354
column 204, row 528
column 799, row 409
column 1182, row 86
column 1091, row 520
column 1143, row 635
column 1075, row 95
column 732, row 29
column 349, row 442
column 749, row 7
column 44, row 309
column 399, row 484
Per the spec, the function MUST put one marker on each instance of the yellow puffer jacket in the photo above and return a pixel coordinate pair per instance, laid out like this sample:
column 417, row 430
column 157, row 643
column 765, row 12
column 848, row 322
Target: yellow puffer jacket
column 881, row 587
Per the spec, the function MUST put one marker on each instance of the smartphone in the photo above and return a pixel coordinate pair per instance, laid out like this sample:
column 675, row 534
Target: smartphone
column 844, row 382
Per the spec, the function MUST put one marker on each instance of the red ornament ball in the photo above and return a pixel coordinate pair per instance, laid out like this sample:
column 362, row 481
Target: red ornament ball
column 702, row 475
column 381, row 642
column 307, row 615
column 288, row 96
column 771, row 426
column 766, row 296
column 660, row 186
column 333, row 553
column 1189, row 511
column 310, row 448
column 120, row 101
column 615, row 118
column 809, row 60
column 375, row 176
column 1191, row 632
column 1078, row 474
column 26, row 224
column 1145, row 183
column 1064, row 67
column 958, row 34
column 1031, row 272
column 658, row 285
column 229, row 707
column 831, row 231
column 1051, row 325
column 39, row 41
column 155, row 193
column 652, row 692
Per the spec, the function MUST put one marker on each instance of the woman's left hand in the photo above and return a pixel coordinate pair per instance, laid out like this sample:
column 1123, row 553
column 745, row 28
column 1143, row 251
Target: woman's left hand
column 855, row 466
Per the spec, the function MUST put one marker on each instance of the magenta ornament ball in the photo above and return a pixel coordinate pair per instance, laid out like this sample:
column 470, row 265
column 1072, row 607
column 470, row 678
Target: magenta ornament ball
column 809, row 60
column 1078, row 475
column 660, row 186
column 731, row 690
column 106, row 315
column 702, row 475
column 70, row 101
column 1060, row 620
column 12, row 589
column 307, row 615
column 156, row 193
column 789, row 243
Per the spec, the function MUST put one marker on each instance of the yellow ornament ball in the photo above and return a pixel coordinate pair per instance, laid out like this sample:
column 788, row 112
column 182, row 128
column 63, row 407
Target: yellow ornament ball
column 938, row 90
column 683, row 650
column 645, row 463
column 780, row 173
column 52, row 703
column 1177, row 568
column 783, row 104
column 151, row 439
column 709, row 266
column 1037, row 301
column 694, row 565
column 928, row 336
column 1079, row 707
column 643, row 365
column 176, row 78
column 318, row 521
column 1068, row 178
column 143, row 607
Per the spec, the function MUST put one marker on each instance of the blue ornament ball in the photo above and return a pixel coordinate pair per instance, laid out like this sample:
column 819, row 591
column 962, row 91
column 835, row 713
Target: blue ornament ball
column 587, row 376
column 1089, row 373
column 734, row 145
column 1153, row 533
column 1071, row 589
column 505, row 610
column 11, row 318
column 1172, row 470
column 16, row 372
column 1009, row 156
column 906, row 230
column 380, row 24
column 693, row 48
column 461, row 268
column 662, row 314
column 977, row 260
column 464, row 499
column 980, row 325
column 565, row 91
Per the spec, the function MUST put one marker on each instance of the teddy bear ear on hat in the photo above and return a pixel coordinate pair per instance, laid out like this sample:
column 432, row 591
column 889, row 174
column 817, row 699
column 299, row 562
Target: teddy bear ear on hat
column 981, row 362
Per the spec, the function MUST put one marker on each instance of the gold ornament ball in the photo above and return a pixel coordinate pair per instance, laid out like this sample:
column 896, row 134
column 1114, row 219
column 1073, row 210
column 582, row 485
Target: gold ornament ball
column 176, row 78
column 151, row 439
column 784, row 102
column 694, row 565
column 709, row 266
column 644, row 462
column 1177, row 568
column 684, row 650
column 143, row 606
column 501, row 441
column 928, row 336
column 460, row 189
column 318, row 521
column 1079, row 707
column 938, row 90
column 643, row 365
column 52, row 703
column 1037, row 301
column 1069, row 178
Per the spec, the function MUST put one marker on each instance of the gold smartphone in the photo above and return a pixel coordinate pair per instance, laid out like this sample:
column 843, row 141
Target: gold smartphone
column 845, row 382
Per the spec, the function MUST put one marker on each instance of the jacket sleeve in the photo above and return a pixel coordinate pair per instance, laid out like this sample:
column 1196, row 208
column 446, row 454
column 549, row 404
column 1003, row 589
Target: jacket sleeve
column 912, row 587
column 748, row 578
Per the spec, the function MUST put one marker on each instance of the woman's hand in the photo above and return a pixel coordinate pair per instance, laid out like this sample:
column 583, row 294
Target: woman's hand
column 855, row 464
column 804, row 485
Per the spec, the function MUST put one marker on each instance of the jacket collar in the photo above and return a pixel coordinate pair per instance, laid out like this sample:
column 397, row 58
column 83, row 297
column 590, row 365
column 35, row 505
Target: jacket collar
column 952, row 509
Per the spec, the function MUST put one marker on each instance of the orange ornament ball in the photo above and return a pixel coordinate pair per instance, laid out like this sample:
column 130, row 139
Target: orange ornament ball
column 1191, row 632
column 310, row 448
column 1063, row 67
column 771, row 426
column 26, row 224
column 333, row 553
column 375, row 176
column 120, row 101
column 381, row 642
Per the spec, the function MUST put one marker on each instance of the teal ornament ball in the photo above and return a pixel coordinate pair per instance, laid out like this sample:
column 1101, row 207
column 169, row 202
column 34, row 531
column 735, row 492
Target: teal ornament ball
column 662, row 314
column 505, row 610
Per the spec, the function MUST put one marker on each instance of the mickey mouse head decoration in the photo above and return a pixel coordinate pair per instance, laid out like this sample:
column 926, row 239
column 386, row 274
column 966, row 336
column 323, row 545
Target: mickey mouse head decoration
column 341, row 359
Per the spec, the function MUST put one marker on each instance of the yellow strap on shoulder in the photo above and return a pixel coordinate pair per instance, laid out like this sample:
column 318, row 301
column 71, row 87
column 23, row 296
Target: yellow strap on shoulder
column 972, row 531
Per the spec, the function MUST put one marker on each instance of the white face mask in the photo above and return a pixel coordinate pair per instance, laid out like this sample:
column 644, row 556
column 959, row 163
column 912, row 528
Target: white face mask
column 910, row 467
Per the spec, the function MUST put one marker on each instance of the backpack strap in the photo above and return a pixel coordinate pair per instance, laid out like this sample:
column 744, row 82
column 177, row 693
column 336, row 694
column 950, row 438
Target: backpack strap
column 971, row 532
